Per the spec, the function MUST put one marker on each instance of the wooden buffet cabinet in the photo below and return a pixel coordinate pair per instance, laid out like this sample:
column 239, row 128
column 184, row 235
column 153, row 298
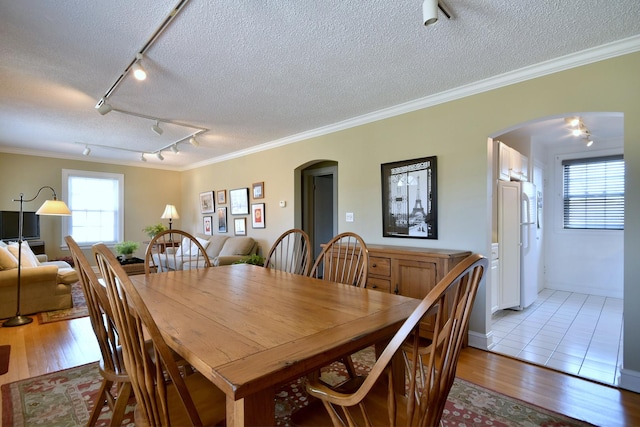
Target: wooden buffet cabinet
column 410, row 271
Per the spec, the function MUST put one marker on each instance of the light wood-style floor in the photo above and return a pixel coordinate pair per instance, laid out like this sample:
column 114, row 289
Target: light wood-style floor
column 38, row 349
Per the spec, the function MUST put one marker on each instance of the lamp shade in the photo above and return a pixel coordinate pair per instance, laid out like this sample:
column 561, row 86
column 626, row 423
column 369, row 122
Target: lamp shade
column 170, row 212
column 54, row 207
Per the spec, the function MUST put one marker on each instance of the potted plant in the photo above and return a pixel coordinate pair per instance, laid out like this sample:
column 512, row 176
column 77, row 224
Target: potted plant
column 152, row 230
column 126, row 248
column 251, row 259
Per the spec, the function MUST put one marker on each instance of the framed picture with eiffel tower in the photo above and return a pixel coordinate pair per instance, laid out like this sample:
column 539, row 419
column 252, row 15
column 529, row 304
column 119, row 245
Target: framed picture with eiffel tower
column 409, row 199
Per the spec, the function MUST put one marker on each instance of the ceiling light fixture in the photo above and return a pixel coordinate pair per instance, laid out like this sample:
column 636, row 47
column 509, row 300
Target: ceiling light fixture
column 193, row 141
column 159, row 155
column 142, row 157
column 580, row 130
column 430, row 11
column 86, row 150
column 156, row 128
column 588, row 142
column 103, row 107
column 174, row 148
column 138, row 72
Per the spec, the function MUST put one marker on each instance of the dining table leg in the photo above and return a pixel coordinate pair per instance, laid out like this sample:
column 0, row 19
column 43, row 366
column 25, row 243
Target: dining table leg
column 257, row 409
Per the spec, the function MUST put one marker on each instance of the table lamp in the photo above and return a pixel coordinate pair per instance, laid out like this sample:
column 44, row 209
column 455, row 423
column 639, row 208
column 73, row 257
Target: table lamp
column 170, row 212
column 49, row 207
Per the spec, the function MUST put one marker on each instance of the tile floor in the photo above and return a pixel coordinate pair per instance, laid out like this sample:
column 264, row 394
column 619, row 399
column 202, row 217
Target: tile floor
column 575, row 333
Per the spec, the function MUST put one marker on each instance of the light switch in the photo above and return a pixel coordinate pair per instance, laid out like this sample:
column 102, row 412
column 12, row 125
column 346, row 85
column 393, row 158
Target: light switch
column 349, row 217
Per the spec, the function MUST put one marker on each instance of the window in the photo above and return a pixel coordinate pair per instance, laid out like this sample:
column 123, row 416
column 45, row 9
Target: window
column 96, row 202
column 594, row 193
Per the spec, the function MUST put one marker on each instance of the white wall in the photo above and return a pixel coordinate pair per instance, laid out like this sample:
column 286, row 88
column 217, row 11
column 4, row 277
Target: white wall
column 584, row 261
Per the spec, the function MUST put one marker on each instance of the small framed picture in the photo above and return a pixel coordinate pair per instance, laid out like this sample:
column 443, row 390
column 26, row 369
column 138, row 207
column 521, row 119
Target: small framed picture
column 257, row 215
column 258, row 190
column 206, row 225
column 222, row 220
column 206, row 202
column 239, row 199
column 222, row 197
column 240, row 226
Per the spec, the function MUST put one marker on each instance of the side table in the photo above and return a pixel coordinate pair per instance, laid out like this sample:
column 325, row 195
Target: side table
column 132, row 266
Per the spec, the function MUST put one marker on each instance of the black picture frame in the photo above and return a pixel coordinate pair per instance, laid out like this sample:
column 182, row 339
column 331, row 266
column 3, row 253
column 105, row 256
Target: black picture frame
column 207, row 227
column 222, row 220
column 207, row 203
column 409, row 198
column 239, row 201
column 257, row 215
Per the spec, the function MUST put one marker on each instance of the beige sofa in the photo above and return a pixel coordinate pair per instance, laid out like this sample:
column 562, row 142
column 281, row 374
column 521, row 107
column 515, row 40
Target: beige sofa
column 44, row 287
column 221, row 250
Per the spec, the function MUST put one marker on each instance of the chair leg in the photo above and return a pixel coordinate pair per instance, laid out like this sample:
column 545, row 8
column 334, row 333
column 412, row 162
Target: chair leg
column 100, row 401
column 351, row 369
column 121, row 404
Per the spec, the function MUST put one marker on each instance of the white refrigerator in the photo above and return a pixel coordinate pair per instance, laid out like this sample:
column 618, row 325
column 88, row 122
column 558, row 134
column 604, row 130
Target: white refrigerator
column 518, row 249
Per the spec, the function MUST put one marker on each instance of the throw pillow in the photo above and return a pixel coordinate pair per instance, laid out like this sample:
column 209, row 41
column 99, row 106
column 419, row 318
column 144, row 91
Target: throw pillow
column 7, row 260
column 27, row 257
column 187, row 247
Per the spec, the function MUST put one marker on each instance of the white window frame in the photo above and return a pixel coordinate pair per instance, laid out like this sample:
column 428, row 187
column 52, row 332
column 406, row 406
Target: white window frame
column 66, row 223
column 559, row 190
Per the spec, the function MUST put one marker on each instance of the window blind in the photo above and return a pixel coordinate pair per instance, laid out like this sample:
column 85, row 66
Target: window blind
column 594, row 193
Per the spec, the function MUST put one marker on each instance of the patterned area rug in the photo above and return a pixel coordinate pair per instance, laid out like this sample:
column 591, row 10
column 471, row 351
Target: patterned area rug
column 65, row 398
column 79, row 308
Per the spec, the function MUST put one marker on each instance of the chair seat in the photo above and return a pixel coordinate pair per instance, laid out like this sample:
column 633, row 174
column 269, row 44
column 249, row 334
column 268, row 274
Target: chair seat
column 209, row 400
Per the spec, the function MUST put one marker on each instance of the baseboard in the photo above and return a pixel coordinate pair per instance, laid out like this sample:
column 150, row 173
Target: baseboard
column 629, row 380
column 481, row 341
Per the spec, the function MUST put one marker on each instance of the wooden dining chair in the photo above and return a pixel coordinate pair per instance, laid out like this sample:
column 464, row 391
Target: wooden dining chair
column 175, row 250
column 344, row 259
column 291, row 252
column 112, row 367
column 163, row 396
column 429, row 367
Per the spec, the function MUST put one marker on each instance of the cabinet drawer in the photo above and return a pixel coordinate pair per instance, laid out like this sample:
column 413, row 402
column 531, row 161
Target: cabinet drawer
column 379, row 266
column 377, row 284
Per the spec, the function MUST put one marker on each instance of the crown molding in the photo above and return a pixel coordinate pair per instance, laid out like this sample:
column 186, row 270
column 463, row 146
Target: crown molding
column 574, row 60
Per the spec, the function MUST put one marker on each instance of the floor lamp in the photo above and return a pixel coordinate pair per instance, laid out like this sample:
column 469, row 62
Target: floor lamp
column 49, row 207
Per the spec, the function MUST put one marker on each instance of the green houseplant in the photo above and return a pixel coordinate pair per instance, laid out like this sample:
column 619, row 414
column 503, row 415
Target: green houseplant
column 152, row 230
column 126, row 248
column 251, row 259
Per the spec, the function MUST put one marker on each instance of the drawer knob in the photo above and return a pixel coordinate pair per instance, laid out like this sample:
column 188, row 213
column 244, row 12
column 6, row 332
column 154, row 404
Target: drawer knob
column 374, row 265
column 374, row 287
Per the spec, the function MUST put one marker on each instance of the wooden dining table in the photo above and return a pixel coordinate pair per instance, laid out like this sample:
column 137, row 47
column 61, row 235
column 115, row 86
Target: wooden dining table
column 249, row 329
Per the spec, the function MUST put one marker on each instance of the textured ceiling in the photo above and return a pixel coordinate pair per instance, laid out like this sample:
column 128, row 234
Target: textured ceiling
column 256, row 72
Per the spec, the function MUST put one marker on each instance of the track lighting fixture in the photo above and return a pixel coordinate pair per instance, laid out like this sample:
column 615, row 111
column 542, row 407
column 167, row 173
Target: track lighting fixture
column 174, row 148
column 193, row 141
column 159, row 155
column 156, row 128
column 430, row 11
column 579, row 129
column 142, row 157
column 86, row 150
column 138, row 72
column 103, row 107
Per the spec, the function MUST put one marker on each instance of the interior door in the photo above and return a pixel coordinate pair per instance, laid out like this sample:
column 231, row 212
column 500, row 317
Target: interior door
column 320, row 205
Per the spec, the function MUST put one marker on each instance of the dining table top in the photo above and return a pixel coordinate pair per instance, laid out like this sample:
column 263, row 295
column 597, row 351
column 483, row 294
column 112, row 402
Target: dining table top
column 249, row 329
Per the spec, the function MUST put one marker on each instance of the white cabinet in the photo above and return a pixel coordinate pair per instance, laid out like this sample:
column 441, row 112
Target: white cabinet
column 512, row 165
column 504, row 160
column 495, row 278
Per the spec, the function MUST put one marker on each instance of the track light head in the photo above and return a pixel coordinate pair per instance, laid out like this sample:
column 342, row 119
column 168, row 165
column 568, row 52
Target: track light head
column 86, row 150
column 142, row 157
column 174, row 148
column 193, row 141
column 156, row 128
column 159, row 155
column 138, row 72
column 102, row 106
column 429, row 12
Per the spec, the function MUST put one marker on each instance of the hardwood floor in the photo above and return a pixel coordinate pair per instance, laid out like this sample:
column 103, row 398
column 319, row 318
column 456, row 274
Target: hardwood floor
column 38, row 349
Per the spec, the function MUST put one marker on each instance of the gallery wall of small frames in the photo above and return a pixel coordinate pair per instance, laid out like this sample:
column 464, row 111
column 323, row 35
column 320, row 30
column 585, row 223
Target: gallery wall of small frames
column 236, row 202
